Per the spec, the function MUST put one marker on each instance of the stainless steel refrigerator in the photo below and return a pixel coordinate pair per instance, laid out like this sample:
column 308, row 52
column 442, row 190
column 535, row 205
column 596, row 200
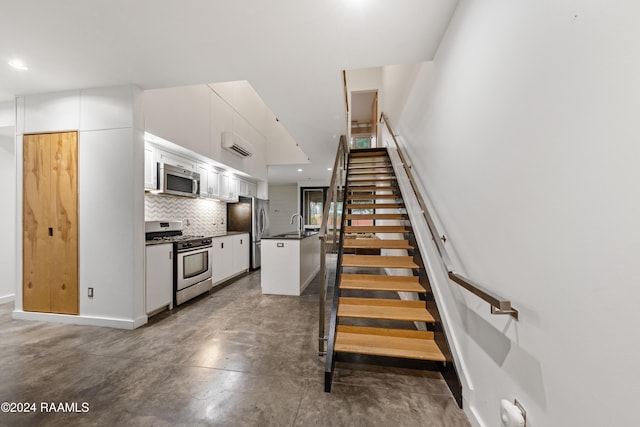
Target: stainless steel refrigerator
column 250, row 215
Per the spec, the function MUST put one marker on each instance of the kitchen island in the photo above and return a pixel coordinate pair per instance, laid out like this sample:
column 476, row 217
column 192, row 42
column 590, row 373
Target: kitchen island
column 289, row 262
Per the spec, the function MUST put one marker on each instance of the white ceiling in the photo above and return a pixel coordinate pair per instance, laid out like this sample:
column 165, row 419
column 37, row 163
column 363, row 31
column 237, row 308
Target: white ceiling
column 291, row 51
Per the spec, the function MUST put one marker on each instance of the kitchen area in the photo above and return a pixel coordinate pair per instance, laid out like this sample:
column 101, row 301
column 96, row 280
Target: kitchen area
column 165, row 180
column 203, row 224
column 207, row 223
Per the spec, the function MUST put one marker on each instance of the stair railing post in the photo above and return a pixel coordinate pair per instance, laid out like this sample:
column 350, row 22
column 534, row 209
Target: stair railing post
column 323, row 295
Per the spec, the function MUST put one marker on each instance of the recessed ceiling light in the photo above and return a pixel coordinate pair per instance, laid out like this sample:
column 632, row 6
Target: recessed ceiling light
column 18, row 64
column 299, row 170
column 328, row 169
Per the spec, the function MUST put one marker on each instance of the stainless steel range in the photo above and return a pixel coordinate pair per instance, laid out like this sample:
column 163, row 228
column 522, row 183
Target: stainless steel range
column 192, row 269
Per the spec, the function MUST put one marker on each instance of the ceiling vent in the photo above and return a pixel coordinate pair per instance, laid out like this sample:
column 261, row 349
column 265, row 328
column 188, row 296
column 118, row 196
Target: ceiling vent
column 235, row 144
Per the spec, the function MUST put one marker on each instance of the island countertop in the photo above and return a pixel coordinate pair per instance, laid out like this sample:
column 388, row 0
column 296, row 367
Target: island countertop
column 294, row 235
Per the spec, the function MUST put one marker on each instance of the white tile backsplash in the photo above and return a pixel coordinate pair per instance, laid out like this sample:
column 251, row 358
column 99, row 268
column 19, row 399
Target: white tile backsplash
column 198, row 216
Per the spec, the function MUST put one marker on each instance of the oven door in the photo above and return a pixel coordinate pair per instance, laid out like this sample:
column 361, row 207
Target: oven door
column 194, row 266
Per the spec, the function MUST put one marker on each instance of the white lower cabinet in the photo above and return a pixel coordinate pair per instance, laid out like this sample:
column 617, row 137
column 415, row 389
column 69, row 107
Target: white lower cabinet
column 241, row 245
column 230, row 256
column 222, row 254
column 159, row 277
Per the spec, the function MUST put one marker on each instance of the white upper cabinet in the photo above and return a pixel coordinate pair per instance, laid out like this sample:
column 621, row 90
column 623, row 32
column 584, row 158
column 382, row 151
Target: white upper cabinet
column 243, row 187
column 224, row 186
column 195, row 117
column 209, row 181
column 179, row 115
column 150, row 168
column 106, row 108
column 228, row 188
column 203, row 170
column 247, row 188
column 50, row 112
column 176, row 160
column 213, row 179
column 253, row 189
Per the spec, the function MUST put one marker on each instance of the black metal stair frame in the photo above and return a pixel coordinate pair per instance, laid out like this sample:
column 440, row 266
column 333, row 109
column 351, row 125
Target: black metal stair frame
column 447, row 368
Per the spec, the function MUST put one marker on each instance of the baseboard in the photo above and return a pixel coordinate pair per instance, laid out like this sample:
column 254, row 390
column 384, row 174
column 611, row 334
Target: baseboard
column 472, row 416
column 80, row 320
column 7, row 298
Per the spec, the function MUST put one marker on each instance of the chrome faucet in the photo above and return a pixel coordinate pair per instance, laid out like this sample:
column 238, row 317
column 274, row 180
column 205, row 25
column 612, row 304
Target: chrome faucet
column 300, row 222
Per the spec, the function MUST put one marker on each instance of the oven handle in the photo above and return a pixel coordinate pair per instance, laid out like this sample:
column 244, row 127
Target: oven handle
column 199, row 248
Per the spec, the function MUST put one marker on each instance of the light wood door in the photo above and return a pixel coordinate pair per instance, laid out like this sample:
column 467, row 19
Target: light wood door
column 50, row 223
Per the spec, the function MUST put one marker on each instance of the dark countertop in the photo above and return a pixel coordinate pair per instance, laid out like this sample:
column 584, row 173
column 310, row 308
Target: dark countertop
column 213, row 236
column 294, row 235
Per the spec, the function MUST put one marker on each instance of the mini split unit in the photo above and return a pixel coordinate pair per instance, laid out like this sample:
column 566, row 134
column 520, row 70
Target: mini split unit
column 235, row 144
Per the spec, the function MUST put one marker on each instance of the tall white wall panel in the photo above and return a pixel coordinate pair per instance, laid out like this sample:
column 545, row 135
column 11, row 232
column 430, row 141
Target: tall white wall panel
column 523, row 131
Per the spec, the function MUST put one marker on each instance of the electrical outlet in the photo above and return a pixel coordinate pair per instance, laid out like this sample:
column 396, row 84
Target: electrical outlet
column 90, row 292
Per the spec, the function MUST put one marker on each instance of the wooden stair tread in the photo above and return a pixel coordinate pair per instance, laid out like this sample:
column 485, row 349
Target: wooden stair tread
column 376, row 244
column 384, row 309
column 370, row 181
column 378, row 261
column 375, row 282
column 381, row 160
column 371, row 172
column 387, row 342
column 373, row 196
column 362, row 153
column 385, row 216
column 357, row 167
column 368, row 188
column 376, row 229
column 375, row 205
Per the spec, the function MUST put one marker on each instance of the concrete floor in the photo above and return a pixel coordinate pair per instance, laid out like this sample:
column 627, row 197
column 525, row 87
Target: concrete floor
column 231, row 358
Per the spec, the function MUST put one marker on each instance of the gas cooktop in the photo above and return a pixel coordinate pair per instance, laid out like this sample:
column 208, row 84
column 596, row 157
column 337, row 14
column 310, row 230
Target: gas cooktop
column 177, row 238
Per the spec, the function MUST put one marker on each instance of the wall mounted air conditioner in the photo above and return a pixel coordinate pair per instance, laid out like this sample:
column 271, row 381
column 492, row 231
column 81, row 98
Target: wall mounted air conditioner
column 235, row 144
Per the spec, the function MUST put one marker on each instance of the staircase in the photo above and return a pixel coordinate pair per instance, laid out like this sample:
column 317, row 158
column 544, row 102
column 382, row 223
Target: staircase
column 368, row 317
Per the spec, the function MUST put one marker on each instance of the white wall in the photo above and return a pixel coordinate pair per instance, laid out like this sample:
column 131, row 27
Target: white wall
column 283, row 202
column 524, row 131
column 111, row 198
column 8, row 212
column 8, row 207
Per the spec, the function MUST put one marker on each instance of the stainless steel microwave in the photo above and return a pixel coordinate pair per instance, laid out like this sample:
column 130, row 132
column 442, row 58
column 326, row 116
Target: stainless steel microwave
column 178, row 181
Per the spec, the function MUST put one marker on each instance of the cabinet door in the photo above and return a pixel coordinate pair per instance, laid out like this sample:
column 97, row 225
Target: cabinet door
column 224, row 187
column 176, row 160
column 205, row 187
column 253, row 189
column 241, row 246
column 159, row 277
column 243, row 188
column 150, row 168
column 50, row 223
column 222, row 254
column 214, row 184
column 233, row 189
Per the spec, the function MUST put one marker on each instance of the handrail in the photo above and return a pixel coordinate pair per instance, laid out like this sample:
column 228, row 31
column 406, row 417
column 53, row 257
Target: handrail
column 499, row 305
column 332, row 196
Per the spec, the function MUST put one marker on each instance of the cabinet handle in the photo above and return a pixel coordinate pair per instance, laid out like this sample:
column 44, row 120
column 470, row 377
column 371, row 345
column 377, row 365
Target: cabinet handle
column 222, row 245
column 50, row 231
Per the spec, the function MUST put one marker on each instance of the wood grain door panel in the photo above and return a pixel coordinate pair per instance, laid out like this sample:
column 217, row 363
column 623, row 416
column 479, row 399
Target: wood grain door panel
column 64, row 291
column 50, row 223
column 35, row 240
